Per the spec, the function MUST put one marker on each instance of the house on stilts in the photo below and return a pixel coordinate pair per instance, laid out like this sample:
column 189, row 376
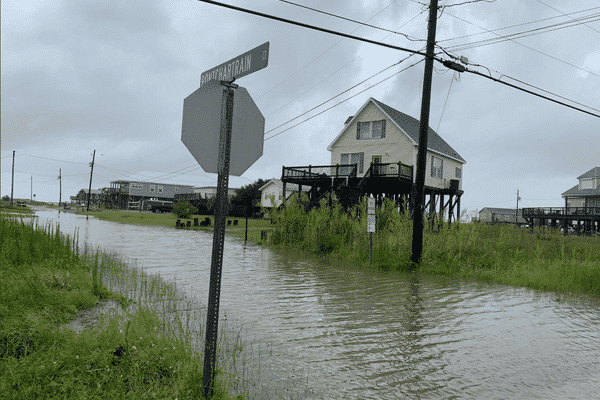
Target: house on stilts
column 375, row 154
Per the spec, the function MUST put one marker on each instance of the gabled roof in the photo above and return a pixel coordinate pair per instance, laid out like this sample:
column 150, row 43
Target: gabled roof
column 410, row 126
column 510, row 211
column 288, row 186
column 576, row 192
column 592, row 173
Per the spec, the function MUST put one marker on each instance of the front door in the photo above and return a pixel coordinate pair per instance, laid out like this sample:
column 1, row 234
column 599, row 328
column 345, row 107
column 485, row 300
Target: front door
column 376, row 168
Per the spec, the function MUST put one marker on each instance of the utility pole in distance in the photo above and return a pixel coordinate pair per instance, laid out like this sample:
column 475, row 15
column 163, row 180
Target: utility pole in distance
column 90, row 189
column 60, row 187
column 12, row 185
column 419, row 186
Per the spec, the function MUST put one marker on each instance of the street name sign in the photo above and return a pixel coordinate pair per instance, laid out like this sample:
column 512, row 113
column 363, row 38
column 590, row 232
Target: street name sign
column 201, row 126
column 242, row 65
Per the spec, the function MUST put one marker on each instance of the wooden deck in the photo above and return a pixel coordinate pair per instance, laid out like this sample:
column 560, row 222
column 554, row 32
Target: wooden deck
column 581, row 219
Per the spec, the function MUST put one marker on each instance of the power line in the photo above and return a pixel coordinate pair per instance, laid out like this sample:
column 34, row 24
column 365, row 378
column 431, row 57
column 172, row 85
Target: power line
column 355, row 21
column 335, row 105
column 531, row 32
column 530, row 92
column 514, row 26
column 521, row 44
column 312, row 27
column 557, row 10
column 339, row 94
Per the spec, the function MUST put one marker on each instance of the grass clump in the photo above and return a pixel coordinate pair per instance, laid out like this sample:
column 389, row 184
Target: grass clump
column 543, row 259
column 144, row 351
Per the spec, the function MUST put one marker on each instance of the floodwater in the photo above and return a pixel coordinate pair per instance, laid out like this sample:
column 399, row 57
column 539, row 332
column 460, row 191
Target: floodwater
column 360, row 334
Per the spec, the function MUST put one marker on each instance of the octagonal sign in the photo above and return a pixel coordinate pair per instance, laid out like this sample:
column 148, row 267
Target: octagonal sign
column 201, row 128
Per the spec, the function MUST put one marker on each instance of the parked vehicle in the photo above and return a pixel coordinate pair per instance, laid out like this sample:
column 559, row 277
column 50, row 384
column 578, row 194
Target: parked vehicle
column 157, row 206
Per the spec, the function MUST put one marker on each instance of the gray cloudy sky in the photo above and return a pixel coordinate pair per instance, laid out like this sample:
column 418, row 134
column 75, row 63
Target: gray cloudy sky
column 79, row 75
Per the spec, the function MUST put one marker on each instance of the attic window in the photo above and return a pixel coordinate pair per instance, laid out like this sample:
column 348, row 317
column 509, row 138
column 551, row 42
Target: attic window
column 370, row 130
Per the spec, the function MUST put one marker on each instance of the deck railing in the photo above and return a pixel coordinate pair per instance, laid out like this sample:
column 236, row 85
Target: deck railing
column 390, row 169
column 320, row 171
column 561, row 211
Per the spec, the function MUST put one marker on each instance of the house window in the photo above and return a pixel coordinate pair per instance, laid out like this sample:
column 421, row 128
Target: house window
column 152, row 187
column 437, row 167
column 506, row 217
column 587, row 184
column 353, row 158
column 137, row 186
column 458, row 173
column 280, row 196
column 370, row 130
column 160, row 188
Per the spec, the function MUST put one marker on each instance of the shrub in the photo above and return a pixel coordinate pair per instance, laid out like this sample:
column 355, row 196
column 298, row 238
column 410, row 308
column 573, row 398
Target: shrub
column 184, row 209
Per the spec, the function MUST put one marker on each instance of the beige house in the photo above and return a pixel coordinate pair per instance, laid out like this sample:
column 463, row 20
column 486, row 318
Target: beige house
column 587, row 192
column 489, row 214
column 274, row 190
column 379, row 133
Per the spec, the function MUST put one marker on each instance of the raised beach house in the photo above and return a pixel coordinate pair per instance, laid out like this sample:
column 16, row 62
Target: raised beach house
column 587, row 192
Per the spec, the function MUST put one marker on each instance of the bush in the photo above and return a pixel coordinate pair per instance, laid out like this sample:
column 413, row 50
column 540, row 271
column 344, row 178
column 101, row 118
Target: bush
column 184, row 209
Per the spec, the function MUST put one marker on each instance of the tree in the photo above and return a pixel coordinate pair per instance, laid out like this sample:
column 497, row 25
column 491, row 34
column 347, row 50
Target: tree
column 246, row 202
column 6, row 198
column 184, row 209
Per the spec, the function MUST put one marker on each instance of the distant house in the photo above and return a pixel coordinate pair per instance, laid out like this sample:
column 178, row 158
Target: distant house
column 274, row 190
column 587, row 192
column 378, row 133
column 208, row 192
column 82, row 197
column 489, row 214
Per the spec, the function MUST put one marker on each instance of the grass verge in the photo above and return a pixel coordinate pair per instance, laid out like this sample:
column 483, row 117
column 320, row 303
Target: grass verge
column 150, row 350
column 542, row 259
column 255, row 226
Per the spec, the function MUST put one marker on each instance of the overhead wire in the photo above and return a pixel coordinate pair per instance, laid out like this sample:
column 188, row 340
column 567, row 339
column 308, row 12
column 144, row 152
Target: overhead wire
column 523, row 45
column 343, row 101
column 557, row 10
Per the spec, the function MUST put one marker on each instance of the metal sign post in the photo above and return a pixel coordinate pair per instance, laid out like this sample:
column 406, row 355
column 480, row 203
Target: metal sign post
column 225, row 137
column 371, row 225
column 216, row 266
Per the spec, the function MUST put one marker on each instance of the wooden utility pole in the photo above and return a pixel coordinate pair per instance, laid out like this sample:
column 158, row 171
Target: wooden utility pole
column 31, row 194
column 91, row 173
column 12, row 185
column 419, row 186
column 517, row 210
column 60, row 187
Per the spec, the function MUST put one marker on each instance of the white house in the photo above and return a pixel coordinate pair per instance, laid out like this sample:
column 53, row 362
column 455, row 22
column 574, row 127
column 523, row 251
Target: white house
column 274, row 190
column 587, row 192
column 207, row 192
column 379, row 133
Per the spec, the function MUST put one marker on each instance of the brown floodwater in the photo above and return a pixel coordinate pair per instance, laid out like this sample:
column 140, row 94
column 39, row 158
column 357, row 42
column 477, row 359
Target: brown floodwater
column 336, row 333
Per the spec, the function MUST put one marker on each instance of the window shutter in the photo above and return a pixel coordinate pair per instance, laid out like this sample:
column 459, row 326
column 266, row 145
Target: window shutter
column 441, row 169
column 383, row 129
column 433, row 174
column 358, row 131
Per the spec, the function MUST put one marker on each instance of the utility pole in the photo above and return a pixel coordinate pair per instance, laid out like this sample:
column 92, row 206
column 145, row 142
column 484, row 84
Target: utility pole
column 517, row 210
column 60, row 187
column 418, row 192
column 31, row 194
column 12, row 185
column 90, row 189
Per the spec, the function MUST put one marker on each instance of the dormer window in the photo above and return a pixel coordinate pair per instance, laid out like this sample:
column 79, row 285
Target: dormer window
column 370, row 130
column 586, row 183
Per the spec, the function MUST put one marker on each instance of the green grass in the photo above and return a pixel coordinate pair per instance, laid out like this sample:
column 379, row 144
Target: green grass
column 544, row 259
column 151, row 350
column 255, row 226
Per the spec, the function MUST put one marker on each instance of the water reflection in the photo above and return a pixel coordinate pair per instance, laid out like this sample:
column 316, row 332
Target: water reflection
column 366, row 334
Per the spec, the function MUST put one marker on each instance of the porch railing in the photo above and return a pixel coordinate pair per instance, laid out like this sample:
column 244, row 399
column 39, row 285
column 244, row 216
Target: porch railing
column 390, row 169
column 320, row 171
column 561, row 211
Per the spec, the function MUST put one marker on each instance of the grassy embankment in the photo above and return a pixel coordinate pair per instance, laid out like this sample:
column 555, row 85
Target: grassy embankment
column 542, row 259
column 15, row 210
column 151, row 350
column 255, row 226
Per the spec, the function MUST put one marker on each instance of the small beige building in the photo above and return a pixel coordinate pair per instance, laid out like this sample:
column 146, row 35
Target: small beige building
column 489, row 214
column 274, row 190
column 379, row 133
column 587, row 192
